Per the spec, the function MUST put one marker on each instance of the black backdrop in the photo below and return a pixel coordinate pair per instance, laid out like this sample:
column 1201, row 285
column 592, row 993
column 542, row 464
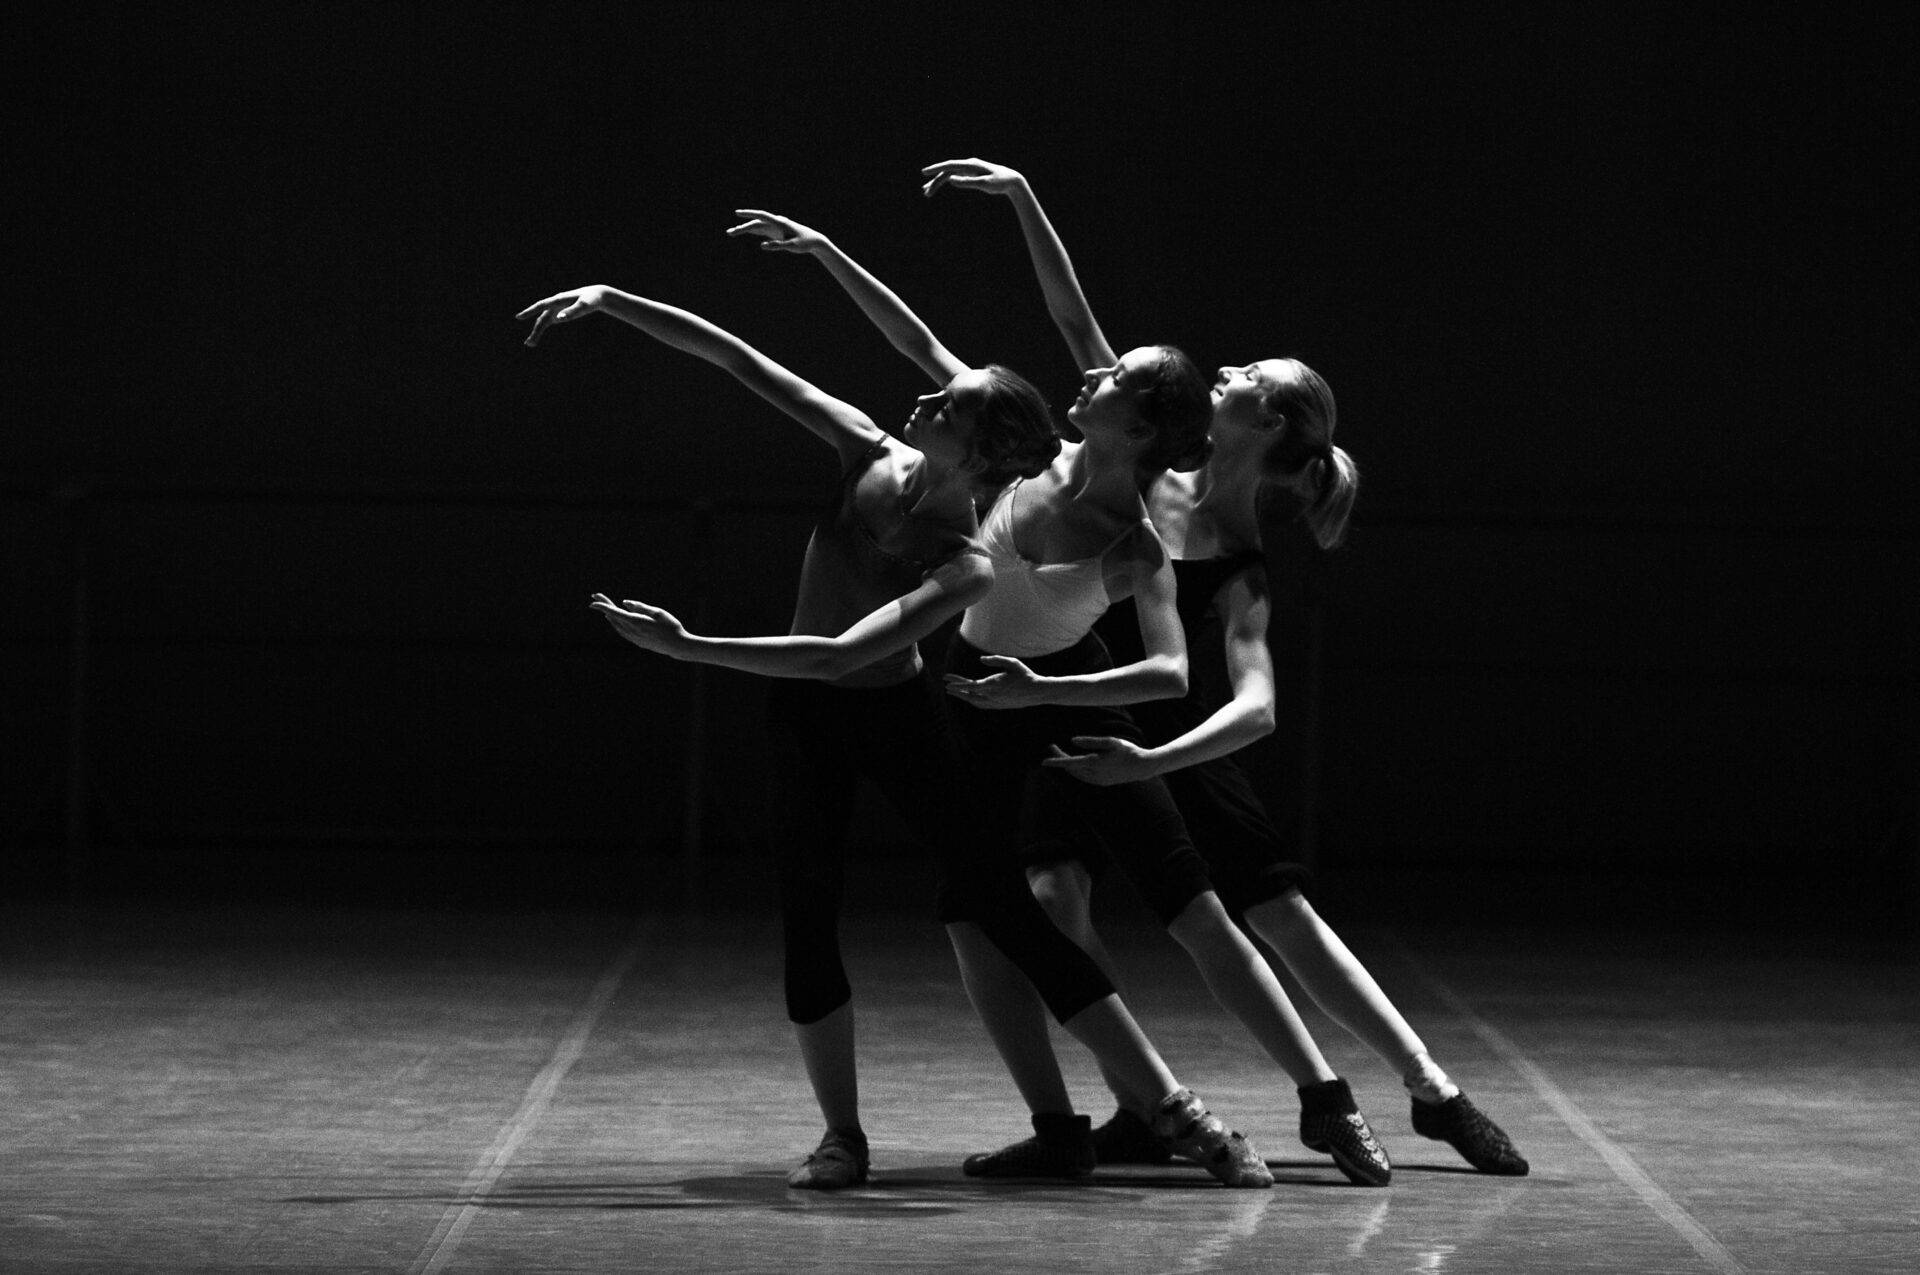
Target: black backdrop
column 1617, row 306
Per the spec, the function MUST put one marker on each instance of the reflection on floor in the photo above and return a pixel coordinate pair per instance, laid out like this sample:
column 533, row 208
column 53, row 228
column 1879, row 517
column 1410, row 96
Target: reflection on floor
column 232, row 1088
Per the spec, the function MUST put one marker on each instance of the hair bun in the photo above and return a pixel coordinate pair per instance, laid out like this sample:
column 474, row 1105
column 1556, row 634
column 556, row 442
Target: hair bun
column 1033, row 460
column 1193, row 458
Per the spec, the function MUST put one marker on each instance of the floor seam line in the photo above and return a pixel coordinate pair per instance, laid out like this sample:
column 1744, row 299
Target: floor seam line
column 445, row 1240
column 1623, row 1165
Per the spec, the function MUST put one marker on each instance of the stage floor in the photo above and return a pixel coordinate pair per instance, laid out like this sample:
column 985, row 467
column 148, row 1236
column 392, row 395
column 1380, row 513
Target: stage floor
column 255, row 1088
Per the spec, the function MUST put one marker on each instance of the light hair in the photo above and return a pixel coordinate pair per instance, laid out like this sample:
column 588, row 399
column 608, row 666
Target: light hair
column 1304, row 444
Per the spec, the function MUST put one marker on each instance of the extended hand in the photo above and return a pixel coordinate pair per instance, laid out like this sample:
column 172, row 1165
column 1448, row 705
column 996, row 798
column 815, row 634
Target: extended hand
column 562, row 307
column 650, row 628
column 782, row 234
column 970, row 174
column 1107, row 760
column 1015, row 686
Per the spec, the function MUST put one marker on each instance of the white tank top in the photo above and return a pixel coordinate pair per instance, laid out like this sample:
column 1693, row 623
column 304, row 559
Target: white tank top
column 1034, row 608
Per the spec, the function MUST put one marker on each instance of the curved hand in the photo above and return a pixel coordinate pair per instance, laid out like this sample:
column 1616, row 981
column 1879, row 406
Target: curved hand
column 781, row 234
column 563, row 307
column 1107, row 760
column 970, row 174
column 1015, row 686
column 650, row 628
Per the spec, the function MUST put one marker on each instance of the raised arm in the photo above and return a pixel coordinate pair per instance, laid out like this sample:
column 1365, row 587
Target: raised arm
column 1065, row 301
column 1246, row 717
column 849, row 430
column 901, row 326
column 944, row 593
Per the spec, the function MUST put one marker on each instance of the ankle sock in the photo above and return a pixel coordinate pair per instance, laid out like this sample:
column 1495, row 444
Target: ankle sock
column 1427, row 1082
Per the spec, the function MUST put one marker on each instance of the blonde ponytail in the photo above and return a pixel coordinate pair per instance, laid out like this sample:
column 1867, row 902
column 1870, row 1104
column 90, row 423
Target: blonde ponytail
column 1336, row 485
column 1304, row 403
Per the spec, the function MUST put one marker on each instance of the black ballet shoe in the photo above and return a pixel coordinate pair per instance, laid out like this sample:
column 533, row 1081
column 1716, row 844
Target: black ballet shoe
column 1462, row 1126
column 1331, row 1123
column 1126, row 1139
column 1062, row 1147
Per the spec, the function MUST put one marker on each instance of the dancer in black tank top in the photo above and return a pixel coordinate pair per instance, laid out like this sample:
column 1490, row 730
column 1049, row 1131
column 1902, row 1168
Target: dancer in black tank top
column 1273, row 450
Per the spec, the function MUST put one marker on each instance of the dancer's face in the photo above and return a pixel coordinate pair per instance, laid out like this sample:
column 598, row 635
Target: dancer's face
column 1108, row 394
column 1240, row 394
column 941, row 426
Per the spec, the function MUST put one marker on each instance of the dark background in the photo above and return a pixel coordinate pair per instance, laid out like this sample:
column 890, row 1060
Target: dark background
column 1617, row 304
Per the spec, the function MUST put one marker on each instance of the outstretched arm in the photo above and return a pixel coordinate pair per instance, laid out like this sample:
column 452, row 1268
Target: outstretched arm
column 1240, row 721
column 901, row 326
column 1065, row 301
column 947, row 591
column 846, row 427
column 1161, row 673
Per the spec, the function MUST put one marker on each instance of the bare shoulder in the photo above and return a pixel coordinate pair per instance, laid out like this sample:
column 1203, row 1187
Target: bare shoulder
column 1139, row 547
column 1243, row 599
column 969, row 568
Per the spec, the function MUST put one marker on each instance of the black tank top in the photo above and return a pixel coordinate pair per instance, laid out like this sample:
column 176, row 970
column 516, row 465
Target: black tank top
column 849, row 571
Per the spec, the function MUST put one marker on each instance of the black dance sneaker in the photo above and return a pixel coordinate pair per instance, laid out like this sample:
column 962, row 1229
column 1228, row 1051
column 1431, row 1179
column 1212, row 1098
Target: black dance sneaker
column 1462, row 1126
column 1126, row 1139
column 1061, row 1147
column 1196, row 1134
column 1331, row 1123
column 837, row 1163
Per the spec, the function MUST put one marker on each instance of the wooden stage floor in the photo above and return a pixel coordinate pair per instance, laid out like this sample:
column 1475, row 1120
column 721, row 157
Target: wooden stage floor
column 256, row 1088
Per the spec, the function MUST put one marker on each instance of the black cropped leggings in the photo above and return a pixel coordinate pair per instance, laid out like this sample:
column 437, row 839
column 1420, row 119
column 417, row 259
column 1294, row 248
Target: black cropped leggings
column 897, row 737
column 1137, row 823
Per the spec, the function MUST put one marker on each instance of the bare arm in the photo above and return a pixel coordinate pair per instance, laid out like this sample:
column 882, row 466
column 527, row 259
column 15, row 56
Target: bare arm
column 900, row 325
column 1161, row 673
column 849, row 430
column 1240, row 721
column 1065, row 301
column 946, row 592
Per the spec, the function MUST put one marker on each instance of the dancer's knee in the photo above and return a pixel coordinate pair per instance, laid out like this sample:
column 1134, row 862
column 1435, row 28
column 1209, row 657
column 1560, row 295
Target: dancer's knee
column 1064, row 891
column 1203, row 926
column 1284, row 911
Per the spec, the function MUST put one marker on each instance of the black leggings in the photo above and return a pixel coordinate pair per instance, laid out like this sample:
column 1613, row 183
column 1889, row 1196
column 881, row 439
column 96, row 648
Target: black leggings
column 1137, row 823
column 897, row 737
column 1229, row 822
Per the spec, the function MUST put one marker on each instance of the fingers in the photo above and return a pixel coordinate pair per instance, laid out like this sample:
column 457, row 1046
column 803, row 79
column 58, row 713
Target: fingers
column 1096, row 743
column 549, row 312
column 1002, row 661
column 770, row 240
column 963, row 174
column 539, row 325
column 761, row 222
column 547, row 303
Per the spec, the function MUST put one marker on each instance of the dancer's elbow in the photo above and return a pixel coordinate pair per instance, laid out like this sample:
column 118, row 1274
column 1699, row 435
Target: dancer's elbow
column 1169, row 680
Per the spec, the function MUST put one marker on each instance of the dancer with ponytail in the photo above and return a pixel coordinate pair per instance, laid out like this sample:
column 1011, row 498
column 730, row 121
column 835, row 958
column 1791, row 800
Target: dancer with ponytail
column 1273, row 462
column 892, row 557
